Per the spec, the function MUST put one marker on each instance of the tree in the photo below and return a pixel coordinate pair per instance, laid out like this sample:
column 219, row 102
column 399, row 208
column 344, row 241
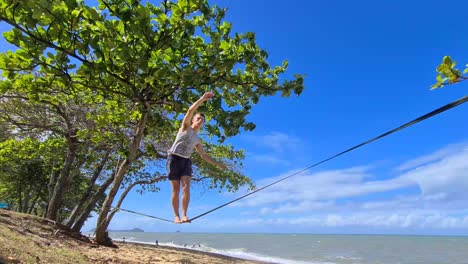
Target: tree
column 24, row 172
column 52, row 114
column 448, row 74
column 147, row 63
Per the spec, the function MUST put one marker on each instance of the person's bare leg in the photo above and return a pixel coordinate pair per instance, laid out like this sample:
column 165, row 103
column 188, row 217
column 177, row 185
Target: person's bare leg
column 185, row 197
column 175, row 199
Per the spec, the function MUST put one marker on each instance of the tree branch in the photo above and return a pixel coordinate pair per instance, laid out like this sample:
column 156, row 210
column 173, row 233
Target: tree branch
column 130, row 187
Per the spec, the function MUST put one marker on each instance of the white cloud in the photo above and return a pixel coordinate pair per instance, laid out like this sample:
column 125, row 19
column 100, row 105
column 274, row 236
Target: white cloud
column 322, row 186
column 441, row 177
column 372, row 220
column 437, row 155
column 446, row 177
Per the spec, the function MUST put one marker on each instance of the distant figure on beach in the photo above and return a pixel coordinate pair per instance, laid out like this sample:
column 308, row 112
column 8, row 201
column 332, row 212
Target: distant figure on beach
column 157, row 243
column 179, row 165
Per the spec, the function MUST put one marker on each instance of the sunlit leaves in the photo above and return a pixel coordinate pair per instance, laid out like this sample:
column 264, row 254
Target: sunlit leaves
column 26, row 165
column 448, row 74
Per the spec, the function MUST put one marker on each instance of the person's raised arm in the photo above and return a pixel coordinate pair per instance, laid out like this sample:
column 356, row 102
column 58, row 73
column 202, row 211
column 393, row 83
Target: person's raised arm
column 193, row 108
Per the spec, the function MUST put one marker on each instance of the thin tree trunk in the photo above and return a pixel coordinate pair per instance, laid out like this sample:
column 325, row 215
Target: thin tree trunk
column 62, row 181
column 78, row 208
column 103, row 222
column 50, row 186
column 78, row 224
column 27, row 198
column 93, row 202
column 33, row 204
column 20, row 200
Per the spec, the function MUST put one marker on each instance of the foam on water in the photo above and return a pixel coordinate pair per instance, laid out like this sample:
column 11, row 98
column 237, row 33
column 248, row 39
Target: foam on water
column 234, row 252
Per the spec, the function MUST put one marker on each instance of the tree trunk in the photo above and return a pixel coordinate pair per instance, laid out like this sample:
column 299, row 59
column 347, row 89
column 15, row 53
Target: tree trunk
column 20, row 200
column 78, row 208
column 62, row 181
column 103, row 222
column 33, row 204
column 27, row 198
column 78, row 224
column 50, row 186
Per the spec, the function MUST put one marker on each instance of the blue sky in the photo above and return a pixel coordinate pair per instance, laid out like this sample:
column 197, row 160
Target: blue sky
column 369, row 67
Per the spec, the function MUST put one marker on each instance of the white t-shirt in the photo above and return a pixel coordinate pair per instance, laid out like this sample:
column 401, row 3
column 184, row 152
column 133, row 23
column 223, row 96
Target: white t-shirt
column 184, row 143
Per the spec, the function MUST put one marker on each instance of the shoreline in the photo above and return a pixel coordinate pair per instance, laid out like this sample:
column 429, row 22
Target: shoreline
column 190, row 251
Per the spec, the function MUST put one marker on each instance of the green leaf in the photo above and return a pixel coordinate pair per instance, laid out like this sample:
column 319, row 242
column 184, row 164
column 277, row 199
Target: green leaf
column 447, row 60
column 75, row 13
column 37, row 14
column 435, row 86
column 454, row 64
column 224, row 45
column 182, row 4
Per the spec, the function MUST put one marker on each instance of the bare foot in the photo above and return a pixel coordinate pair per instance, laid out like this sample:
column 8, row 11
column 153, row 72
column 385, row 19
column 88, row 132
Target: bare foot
column 185, row 219
column 177, row 219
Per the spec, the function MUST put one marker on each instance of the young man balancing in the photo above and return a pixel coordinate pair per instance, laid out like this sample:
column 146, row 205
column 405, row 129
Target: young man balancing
column 179, row 165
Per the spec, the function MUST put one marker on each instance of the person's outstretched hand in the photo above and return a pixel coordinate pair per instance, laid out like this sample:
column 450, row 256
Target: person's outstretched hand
column 207, row 96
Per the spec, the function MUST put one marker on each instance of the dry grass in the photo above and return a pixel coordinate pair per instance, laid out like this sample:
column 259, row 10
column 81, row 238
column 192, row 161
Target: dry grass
column 30, row 239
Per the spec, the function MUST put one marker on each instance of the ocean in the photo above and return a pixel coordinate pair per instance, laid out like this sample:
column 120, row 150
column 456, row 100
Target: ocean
column 316, row 249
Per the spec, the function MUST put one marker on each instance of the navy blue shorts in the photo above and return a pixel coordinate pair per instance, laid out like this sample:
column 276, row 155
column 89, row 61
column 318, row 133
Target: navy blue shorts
column 178, row 166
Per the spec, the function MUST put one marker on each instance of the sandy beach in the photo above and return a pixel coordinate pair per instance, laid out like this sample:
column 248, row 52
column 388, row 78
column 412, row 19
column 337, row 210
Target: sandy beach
column 30, row 239
column 129, row 252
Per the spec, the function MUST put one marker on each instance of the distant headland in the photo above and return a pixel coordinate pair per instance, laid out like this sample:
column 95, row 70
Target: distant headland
column 125, row 230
